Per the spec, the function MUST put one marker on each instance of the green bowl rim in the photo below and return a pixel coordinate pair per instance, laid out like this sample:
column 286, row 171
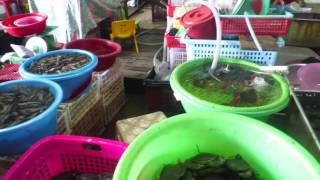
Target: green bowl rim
column 280, row 103
column 127, row 158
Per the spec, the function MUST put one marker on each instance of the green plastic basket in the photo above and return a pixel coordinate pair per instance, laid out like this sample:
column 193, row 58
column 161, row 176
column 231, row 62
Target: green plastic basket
column 272, row 154
column 192, row 103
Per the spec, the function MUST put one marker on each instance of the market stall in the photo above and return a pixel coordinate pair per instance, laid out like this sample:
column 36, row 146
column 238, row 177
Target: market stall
column 227, row 98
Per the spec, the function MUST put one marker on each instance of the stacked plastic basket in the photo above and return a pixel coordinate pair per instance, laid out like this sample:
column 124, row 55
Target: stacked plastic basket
column 273, row 25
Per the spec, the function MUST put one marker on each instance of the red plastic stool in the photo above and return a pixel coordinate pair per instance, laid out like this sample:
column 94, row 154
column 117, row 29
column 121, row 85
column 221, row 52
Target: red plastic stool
column 7, row 6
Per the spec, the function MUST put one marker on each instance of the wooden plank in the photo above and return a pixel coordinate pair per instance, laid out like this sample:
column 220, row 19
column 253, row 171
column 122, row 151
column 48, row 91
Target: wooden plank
column 266, row 42
column 135, row 74
column 137, row 66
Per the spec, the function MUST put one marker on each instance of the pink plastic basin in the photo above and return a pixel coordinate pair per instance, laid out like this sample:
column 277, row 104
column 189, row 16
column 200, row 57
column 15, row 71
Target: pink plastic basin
column 27, row 21
column 309, row 77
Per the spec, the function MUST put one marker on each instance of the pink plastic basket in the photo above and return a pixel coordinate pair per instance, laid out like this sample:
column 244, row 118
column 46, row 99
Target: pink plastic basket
column 60, row 153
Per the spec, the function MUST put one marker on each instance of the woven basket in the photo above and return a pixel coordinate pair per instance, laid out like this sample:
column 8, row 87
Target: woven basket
column 92, row 123
column 77, row 108
column 110, row 91
column 105, row 78
column 113, row 108
column 63, row 122
column 111, row 88
column 6, row 162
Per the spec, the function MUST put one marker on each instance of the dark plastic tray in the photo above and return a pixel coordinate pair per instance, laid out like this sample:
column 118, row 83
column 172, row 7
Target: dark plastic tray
column 301, row 124
column 159, row 95
column 149, row 81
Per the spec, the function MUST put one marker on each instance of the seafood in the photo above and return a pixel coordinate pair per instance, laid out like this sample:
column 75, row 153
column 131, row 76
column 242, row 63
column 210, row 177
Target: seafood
column 79, row 176
column 205, row 166
column 236, row 86
column 60, row 63
column 23, row 103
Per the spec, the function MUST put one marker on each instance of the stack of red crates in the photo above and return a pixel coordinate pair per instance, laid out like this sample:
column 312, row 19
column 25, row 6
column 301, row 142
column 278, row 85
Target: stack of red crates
column 176, row 52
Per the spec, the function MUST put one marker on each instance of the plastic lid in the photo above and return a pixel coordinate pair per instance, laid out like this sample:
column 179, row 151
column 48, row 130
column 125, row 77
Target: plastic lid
column 196, row 16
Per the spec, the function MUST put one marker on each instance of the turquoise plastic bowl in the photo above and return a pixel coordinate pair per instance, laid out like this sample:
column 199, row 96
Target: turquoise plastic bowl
column 18, row 138
column 71, row 81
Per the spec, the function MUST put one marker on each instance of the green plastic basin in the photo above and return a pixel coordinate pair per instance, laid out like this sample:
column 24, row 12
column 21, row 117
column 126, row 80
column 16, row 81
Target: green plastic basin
column 272, row 154
column 191, row 103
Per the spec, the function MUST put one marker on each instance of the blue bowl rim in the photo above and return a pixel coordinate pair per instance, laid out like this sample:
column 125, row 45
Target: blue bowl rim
column 70, row 74
column 54, row 104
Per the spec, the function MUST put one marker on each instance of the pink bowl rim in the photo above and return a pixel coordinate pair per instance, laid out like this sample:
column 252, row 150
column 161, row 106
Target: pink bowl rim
column 302, row 69
column 11, row 19
column 36, row 18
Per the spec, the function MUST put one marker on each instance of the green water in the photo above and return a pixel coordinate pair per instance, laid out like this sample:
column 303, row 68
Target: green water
column 238, row 86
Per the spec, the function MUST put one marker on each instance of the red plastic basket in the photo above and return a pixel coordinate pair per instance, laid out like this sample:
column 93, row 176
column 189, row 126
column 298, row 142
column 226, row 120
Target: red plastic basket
column 173, row 42
column 262, row 25
column 59, row 154
column 9, row 72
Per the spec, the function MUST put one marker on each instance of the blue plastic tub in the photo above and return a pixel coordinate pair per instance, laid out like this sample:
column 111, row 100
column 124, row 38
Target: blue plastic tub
column 18, row 138
column 72, row 82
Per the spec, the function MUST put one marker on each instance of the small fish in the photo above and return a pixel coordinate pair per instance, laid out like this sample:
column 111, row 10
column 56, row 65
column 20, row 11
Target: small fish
column 57, row 64
column 23, row 103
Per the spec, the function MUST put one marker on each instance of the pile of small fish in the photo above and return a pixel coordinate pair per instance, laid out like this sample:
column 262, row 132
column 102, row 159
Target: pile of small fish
column 207, row 166
column 23, row 103
column 79, row 176
column 59, row 63
column 232, row 85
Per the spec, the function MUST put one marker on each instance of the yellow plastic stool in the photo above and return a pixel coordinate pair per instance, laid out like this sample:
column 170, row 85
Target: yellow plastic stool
column 124, row 29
